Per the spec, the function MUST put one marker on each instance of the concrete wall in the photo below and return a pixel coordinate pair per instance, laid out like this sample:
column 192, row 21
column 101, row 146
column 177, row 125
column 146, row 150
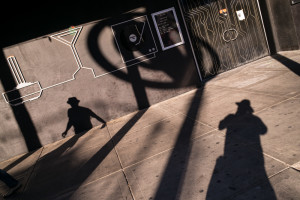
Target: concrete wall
column 280, row 23
column 119, row 90
column 296, row 17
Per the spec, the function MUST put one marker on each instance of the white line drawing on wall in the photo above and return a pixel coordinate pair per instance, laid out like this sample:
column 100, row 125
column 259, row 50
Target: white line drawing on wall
column 74, row 33
column 15, row 97
column 136, row 39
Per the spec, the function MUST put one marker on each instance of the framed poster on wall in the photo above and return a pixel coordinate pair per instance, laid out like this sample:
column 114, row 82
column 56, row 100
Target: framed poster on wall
column 167, row 28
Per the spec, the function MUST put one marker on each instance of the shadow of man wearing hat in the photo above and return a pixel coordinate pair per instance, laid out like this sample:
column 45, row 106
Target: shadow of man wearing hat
column 241, row 167
column 80, row 117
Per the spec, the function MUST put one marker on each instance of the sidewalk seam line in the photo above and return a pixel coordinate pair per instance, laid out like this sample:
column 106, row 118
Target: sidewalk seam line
column 263, row 109
column 278, row 172
column 276, row 159
column 150, row 157
column 33, row 168
column 122, row 168
column 247, row 90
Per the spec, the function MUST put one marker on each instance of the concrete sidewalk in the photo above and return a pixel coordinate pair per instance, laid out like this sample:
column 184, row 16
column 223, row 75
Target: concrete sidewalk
column 199, row 145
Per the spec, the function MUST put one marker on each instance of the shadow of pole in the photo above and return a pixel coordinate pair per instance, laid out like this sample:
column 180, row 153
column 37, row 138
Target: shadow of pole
column 20, row 112
column 138, row 88
column 173, row 176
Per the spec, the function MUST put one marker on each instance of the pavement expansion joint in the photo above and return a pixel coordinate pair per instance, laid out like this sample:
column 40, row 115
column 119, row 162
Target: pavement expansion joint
column 246, row 90
column 275, row 104
column 121, row 165
column 166, row 150
column 279, row 172
column 26, row 184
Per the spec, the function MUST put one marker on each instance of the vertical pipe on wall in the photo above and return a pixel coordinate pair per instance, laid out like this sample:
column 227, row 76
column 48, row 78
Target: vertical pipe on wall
column 263, row 24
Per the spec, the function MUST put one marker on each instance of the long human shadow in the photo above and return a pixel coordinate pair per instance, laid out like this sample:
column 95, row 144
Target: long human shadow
column 290, row 64
column 241, row 167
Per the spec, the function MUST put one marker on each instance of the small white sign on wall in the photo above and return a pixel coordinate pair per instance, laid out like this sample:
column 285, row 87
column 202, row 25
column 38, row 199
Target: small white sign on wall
column 241, row 15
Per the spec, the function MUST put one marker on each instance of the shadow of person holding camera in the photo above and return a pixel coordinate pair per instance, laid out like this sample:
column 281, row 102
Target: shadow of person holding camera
column 242, row 166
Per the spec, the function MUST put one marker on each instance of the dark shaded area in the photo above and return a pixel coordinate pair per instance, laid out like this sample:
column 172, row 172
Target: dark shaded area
column 266, row 16
column 296, row 17
column 80, row 117
column 290, row 64
column 279, row 25
column 19, row 160
column 23, row 21
column 6, row 178
column 20, row 112
column 241, row 166
column 170, row 61
column 138, row 88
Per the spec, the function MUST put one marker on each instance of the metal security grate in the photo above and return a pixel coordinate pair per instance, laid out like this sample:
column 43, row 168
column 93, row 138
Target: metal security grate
column 225, row 33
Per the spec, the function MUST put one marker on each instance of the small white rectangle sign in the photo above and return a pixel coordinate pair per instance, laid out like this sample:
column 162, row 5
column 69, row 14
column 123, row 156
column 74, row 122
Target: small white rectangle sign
column 241, row 15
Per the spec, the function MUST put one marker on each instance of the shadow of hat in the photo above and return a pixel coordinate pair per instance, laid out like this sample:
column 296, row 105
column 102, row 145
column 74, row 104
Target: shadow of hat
column 73, row 100
column 245, row 105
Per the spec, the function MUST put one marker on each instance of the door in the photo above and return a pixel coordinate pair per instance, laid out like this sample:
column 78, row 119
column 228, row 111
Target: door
column 224, row 33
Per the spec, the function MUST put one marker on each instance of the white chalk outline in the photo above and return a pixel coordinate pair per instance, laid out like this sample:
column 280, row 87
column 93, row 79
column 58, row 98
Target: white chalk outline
column 21, row 97
column 21, row 82
column 15, row 69
column 137, row 58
